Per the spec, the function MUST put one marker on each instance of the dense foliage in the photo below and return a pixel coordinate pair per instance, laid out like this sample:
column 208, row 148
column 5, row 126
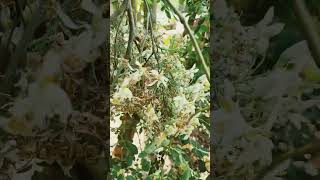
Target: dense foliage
column 159, row 96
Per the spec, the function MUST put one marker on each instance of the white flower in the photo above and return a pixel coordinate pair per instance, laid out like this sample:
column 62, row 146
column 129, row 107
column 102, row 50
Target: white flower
column 196, row 91
column 80, row 50
column 204, row 175
column 229, row 124
column 204, row 81
column 142, row 70
column 50, row 100
column 276, row 84
column 195, row 122
column 116, row 119
column 167, row 164
column 150, row 115
column 126, row 82
column 136, row 76
column 256, row 149
column 42, row 102
column 170, row 130
column 265, row 31
column 123, row 94
column 160, row 78
column 183, row 106
column 190, row 73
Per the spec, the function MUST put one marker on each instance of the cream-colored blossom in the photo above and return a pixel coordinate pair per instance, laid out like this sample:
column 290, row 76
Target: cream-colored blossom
column 121, row 95
column 183, row 106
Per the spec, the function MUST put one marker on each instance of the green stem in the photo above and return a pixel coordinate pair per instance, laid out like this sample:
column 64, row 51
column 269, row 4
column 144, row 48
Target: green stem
column 308, row 29
column 193, row 39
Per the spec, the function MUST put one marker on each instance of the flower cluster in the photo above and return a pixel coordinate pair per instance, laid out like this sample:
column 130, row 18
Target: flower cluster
column 169, row 100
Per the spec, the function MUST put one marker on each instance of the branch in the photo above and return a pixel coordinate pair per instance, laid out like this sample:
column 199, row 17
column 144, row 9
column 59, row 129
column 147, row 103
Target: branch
column 131, row 31
column 146, row 30
column 116, row 36
column 20, row 11
column 193, row 39
column 308, row 29
column 119, row 11
column 307, row 149
column 154, row 45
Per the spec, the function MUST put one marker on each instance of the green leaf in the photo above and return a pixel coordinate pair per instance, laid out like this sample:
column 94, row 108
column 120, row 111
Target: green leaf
column 149, row 2
column 165, row 142
column 129, row 160
column 131, row 148
column 145, row 164
column 150, row 148
column 149, row 178
column 168, row 14
column 130, row 177
column 143, row 154
column 186, row 174
column 202, row 166
column 184, row 137
column 203, row 28
column 198, row 150
column 176, row 156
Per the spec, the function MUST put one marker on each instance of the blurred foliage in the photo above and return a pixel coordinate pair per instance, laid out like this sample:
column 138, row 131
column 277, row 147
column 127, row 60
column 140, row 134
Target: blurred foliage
column 53, row 76
column 266, row 89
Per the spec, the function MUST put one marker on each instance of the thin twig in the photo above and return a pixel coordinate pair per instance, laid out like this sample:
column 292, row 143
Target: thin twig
column 119, row 11
column 136, row 42
column 116, row 36
column 154, row 44
column 193, row 39
column 147, row 60
column 146, row 32
column 19, row 9
column 131, row 31
column 10, row 38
